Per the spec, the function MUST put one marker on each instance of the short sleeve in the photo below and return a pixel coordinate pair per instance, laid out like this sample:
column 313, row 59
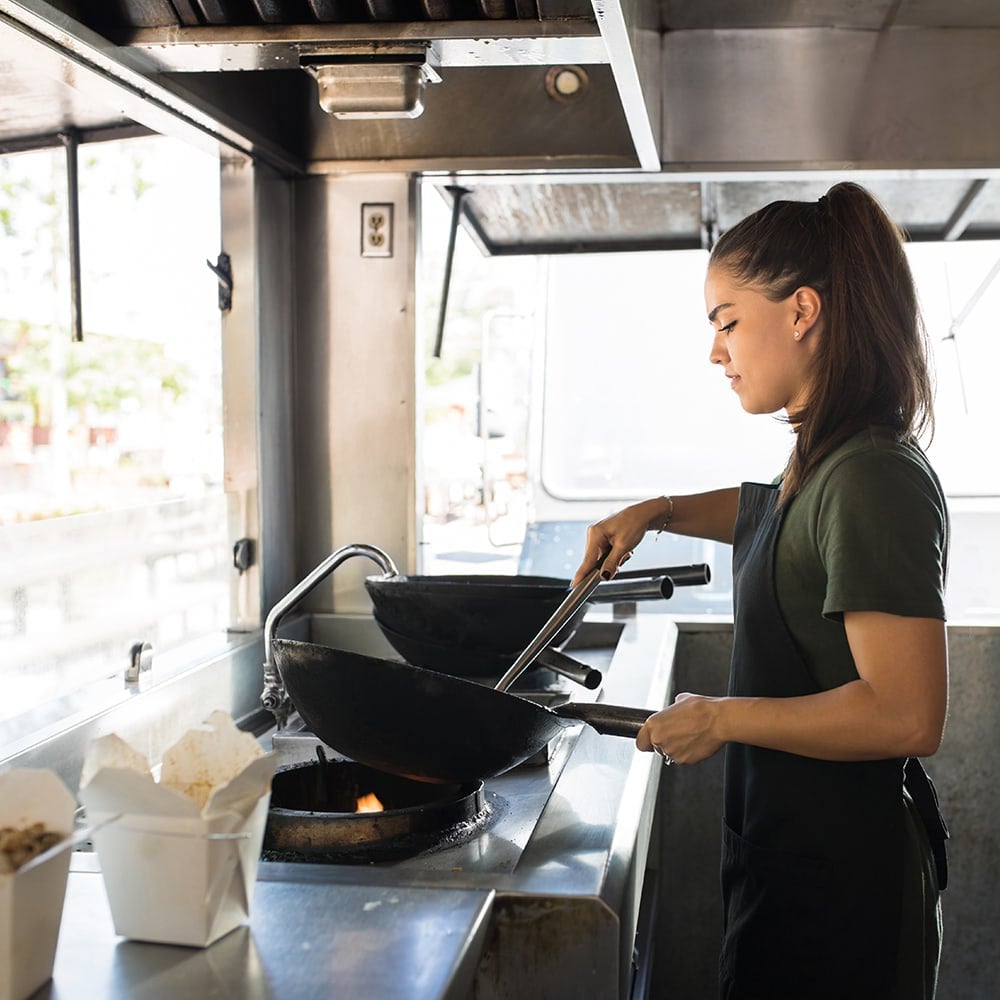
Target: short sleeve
column 882, row 536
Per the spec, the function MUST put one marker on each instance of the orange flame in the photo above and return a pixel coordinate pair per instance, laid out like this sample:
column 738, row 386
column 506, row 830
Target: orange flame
column 369, row 804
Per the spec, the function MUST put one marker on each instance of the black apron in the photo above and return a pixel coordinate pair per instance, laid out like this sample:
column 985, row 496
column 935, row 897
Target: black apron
column 811, row 854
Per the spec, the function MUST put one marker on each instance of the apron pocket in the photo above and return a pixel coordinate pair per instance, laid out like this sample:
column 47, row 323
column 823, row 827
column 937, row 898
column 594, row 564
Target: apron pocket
column 777, row 944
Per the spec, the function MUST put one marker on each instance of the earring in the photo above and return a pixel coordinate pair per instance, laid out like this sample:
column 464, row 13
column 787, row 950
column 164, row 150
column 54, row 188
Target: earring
column 797, row 334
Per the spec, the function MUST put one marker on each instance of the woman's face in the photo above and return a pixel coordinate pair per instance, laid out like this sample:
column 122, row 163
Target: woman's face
column 764, row 347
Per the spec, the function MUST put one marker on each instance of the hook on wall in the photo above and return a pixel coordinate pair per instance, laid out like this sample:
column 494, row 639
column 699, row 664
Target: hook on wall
column 223, row 271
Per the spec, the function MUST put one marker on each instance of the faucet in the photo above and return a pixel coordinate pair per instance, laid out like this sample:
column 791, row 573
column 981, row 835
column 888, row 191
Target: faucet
column 274, row 697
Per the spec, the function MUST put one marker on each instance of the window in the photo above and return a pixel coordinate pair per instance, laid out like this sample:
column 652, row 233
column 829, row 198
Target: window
column 112, row 514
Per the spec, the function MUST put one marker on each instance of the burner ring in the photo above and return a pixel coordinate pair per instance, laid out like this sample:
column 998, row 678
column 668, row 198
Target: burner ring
column 311, row 817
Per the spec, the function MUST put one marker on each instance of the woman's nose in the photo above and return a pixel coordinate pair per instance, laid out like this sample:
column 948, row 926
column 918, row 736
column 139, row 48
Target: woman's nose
column 719, row 354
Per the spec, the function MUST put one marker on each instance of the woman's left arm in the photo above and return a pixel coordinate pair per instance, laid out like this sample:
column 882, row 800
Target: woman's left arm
column 896, row 707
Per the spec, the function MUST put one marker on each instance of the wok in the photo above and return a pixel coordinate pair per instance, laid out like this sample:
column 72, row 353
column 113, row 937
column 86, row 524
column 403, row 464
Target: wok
column 422, row 724
column 459, row 624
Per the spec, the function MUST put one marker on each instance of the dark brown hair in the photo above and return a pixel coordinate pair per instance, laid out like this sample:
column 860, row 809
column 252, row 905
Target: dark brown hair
column 870, row 367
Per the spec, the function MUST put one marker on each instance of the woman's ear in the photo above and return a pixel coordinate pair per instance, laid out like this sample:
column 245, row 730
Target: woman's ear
column 807, row 306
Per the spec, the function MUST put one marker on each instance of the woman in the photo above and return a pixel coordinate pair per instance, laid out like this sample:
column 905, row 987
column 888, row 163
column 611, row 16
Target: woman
column 831, row 868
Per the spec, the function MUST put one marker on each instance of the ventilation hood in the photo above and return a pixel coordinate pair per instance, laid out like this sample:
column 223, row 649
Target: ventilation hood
column 573, row 124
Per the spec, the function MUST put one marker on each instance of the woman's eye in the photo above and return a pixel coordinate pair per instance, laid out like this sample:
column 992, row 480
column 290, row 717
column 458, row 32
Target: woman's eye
column 728, row 328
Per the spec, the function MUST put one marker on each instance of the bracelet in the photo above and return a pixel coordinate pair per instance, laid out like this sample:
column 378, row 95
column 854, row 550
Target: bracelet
column 670, row 516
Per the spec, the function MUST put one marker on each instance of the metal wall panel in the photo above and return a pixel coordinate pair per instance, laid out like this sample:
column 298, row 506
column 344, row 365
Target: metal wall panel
column 239, row 381
column 356, row 382
column 274, row 201
column 831, row 98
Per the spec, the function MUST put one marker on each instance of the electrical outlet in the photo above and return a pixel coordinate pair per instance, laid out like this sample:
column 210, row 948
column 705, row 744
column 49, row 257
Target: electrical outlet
column 376, row 230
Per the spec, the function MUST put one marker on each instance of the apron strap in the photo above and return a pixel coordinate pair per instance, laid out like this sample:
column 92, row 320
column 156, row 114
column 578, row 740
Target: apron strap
column 925, row 798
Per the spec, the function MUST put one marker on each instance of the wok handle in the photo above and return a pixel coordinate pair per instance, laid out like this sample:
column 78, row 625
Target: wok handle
column 682, row 576
column 555, row 660
column 633, row 590
column 611, row 720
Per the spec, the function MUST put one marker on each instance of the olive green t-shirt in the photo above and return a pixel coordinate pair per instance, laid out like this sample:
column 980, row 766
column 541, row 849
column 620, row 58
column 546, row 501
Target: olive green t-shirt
column 868, row 532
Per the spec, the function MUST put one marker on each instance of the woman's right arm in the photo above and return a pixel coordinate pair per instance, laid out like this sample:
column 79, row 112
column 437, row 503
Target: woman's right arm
column 700, row 515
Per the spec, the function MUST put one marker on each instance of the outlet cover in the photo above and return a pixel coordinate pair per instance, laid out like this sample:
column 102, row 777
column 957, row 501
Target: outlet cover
column 376, row 230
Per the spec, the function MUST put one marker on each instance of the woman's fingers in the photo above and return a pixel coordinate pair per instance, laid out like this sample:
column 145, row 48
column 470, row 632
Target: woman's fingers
column 684, row 730
column 596, row 548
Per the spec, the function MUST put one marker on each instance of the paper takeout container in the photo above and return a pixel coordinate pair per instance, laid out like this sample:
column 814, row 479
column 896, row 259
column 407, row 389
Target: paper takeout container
column 31, row 898
column 175, row 871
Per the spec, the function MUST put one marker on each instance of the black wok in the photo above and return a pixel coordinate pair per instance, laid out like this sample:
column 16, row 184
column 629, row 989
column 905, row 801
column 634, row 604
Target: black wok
column 422, row 724
column 462, row 624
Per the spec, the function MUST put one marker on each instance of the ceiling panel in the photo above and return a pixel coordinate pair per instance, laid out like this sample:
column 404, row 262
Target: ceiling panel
column 565, row 215
column 560, row 218
column 923, row 207
column 33, row 104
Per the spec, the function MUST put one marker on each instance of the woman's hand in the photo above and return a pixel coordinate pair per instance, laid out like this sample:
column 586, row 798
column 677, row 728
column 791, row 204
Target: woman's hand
column 610, row 542
column 684, row 731
column 701, row 515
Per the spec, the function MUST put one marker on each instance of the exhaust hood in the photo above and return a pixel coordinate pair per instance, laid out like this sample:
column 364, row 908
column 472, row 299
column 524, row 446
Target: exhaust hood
column 253, row 67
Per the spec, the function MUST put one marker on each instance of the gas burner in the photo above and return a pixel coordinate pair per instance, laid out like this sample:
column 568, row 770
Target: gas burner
column 313, row 815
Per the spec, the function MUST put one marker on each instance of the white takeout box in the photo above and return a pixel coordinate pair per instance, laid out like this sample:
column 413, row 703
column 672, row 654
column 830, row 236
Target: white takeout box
column 176, row 873
column 31, row 898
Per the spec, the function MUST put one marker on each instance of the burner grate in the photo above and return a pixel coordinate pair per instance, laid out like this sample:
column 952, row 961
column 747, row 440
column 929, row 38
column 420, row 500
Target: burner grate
column 312, row 815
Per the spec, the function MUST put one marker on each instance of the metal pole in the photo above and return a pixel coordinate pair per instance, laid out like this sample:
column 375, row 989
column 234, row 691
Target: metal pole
column 71, row 140
column 458, row 195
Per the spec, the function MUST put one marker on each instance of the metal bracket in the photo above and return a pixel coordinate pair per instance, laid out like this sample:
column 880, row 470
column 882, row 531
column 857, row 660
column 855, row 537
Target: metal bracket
column 140, row 668
column 243, row 555
column 223, row 271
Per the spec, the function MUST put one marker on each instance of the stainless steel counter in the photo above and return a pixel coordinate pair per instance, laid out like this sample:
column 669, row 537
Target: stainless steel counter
column 303, row 942
column 545, row 900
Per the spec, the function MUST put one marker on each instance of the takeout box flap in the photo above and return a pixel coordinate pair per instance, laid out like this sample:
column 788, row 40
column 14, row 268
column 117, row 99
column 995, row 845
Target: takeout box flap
column 36, row 795
column 241, row 794
column 111, row 751
column 115, row 790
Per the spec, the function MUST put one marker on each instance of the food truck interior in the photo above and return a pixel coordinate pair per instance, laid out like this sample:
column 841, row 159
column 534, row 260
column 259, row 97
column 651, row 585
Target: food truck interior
column 422, row 220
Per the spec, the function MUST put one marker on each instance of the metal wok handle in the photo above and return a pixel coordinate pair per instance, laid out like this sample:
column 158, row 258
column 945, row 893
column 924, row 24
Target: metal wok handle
column 553, row 659
column 274, row 697
column 576, row 597
column 633, row 590
column 611, row 720
column 682, row 576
